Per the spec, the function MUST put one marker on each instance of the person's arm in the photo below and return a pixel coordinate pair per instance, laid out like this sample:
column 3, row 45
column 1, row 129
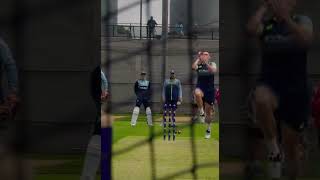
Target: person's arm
column 104, row 82
column 180, row 90
column 164, row 91
column 136, row 88
column 302, row 30
column 195, row 64
column 104, row 86
column 107, row 84
column 212, row 67
column 255, row 24
column 9, row 67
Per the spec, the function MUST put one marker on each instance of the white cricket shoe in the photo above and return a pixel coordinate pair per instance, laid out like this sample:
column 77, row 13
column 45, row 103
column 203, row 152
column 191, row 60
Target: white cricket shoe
column 208, row 134
column 275, row 165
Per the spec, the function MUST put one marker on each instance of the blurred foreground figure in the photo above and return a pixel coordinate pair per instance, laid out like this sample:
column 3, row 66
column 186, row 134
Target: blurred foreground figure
column 99, row 92
column 282, row 96
column 12, row 166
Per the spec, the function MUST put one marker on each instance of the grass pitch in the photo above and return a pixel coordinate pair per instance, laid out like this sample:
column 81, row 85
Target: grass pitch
column 169, row 157
column 53, row 167
column 171, row 160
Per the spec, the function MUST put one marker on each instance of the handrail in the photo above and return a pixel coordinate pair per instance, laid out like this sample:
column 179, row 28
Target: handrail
column 174, row 32
column 138, row 24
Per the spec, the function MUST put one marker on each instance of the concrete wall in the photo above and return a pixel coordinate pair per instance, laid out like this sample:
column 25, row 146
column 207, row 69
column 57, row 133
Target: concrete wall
column 125, row 71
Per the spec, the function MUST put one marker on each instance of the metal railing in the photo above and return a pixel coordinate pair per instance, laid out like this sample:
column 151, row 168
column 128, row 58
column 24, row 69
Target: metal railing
column 144, row 32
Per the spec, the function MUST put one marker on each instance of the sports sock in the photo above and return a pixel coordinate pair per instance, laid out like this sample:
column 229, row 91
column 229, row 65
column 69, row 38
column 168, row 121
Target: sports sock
column 209, row 127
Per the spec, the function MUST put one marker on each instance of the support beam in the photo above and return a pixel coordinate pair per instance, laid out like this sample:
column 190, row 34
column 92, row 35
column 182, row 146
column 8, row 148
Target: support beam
column 165, row 10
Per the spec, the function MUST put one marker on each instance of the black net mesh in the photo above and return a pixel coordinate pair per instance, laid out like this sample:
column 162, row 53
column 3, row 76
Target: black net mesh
column 133, row 32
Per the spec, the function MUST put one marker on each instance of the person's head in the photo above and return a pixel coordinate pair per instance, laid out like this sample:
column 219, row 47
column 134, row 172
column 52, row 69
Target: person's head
column 151, row 17
column 172, row 74
column 204, row 56
column 143, row 75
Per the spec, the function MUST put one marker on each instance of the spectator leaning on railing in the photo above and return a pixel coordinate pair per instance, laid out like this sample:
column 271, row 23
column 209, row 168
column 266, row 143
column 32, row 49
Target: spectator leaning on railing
column 151, row 24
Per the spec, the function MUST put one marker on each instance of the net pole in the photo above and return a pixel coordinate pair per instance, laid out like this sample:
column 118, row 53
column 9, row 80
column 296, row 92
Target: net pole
column 150, row 66
column 190, row 51
column 106, row 136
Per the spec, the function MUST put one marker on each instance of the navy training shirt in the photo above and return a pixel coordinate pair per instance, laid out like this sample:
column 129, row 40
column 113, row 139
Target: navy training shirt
column 283, row 60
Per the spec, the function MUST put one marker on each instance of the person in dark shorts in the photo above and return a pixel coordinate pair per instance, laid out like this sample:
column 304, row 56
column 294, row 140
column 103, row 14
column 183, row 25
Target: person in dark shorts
column 204, row 93
column 142, row 89
column 282, row 97
column 99, row 93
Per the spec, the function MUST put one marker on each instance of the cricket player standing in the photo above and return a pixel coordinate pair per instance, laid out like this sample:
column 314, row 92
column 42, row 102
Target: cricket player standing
column 171, row 96
column 142, row 90
column 172, row 91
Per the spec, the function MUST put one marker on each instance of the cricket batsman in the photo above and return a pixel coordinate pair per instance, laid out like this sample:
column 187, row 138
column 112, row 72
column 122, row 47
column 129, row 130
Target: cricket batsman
column 142, row 89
